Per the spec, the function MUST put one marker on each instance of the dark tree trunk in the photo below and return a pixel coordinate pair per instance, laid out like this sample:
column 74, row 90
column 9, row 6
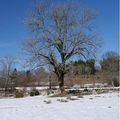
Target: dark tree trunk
column 61, row 82
column 49, row 84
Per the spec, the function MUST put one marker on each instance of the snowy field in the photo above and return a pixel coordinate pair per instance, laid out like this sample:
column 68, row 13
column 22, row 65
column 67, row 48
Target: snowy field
column 99, row 107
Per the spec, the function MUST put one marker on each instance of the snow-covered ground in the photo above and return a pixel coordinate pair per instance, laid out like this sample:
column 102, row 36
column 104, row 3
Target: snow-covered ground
column 99, row 107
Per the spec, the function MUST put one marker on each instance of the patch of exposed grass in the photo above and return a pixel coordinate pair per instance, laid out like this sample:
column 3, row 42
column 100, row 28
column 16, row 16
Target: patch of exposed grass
column 64, row 94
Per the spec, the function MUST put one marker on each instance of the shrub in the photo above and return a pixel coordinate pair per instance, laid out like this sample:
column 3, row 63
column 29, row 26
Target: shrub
column 85, row 90
column 19, row 94
column 115, row 82
column 34, row 93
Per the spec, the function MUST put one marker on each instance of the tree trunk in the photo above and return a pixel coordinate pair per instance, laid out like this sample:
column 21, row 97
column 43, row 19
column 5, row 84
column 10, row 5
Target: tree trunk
column 61, row 82
column 50, row 84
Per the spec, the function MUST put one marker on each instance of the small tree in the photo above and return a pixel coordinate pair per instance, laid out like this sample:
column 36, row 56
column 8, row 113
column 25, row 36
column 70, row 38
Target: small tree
column 59, row 34
column 14, row 77
column 90, row 66
column 110, row 62
column 7, row 64
column 41, row 74
column 79, row 67
column 110, row 67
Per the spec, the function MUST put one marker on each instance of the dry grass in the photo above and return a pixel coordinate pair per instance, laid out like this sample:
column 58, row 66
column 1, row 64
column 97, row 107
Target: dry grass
column 64, row 94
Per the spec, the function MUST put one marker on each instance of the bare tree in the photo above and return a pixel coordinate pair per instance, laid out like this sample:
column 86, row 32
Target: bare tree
column 60, row 33
column 110, row 62
column 110, row 67
column 6, row 64
column 41, row 75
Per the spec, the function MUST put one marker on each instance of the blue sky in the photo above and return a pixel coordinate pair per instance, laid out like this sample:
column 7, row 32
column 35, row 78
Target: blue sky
column 13, row 31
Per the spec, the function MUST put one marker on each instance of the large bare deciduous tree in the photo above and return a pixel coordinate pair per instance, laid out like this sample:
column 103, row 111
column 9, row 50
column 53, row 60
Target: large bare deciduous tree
column 59, row 34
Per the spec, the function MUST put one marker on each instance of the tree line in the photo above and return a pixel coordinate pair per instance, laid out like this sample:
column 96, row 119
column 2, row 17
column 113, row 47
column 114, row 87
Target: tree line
column 10, row 77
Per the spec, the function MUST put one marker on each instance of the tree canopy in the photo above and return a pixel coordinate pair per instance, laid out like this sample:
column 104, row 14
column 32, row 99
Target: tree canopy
column 59, row 34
